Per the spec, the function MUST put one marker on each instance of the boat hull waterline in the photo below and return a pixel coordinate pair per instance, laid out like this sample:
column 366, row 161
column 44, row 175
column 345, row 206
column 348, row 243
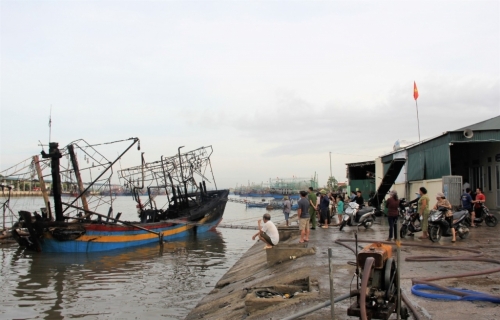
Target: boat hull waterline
column 104, row 237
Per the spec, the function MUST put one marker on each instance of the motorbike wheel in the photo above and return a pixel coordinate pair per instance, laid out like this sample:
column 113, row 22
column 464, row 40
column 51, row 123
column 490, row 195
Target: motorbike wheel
column 367, row 224
column 464, row 235
column 467, row 222
column 491, row 221
column 435, row 233
column 403, row 231
column 342, row 225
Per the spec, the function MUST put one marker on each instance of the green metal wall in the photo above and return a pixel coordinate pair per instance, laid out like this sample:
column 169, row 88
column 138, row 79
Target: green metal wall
column 366, row 186
column 429, row 160
column 386, row 162
column 479, row 136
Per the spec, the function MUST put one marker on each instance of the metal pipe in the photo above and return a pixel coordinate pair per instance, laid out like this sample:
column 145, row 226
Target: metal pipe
column 100, row 175
column 182, row 174
column 320, row 306
column 356, row 254
column 76, row 168
column 211, row 170
column 398, row 268
column 330, row 266
column 165, row 178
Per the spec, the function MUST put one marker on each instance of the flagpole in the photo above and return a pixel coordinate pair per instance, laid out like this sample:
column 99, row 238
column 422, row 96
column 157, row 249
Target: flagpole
column 415, row 96
column 418, row 121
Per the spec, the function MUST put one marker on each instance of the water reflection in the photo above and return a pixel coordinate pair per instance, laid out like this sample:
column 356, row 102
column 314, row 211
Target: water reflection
column 125, row 284
column 119, row 284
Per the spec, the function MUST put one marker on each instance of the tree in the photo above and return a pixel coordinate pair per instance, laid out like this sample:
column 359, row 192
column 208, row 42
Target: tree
column 332, row 183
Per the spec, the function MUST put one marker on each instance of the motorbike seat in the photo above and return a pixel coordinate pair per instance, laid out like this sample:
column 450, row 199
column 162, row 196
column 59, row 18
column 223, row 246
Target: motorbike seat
column 362, row 212
column 457, row 215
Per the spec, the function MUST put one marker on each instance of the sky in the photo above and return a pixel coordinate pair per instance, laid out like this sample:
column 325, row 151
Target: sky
column 273, row 86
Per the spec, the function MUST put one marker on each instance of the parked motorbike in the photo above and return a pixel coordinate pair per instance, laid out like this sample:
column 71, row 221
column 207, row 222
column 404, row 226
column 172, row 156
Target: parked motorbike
column 486, row 216
column 438, row 226
column 411, row 219
column 353, row 216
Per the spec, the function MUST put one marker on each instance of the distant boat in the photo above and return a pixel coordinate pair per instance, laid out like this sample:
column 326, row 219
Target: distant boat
column 257, row 205
column 281, row 196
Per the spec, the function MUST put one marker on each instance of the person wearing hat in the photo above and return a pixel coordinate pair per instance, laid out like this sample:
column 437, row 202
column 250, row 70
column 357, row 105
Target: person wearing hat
column 324, row 205
column 443, row 202
column 392, row 214
column 287, row 207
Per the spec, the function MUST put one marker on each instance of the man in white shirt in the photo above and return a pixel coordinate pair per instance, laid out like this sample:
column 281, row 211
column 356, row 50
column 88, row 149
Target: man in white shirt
column 268, row 232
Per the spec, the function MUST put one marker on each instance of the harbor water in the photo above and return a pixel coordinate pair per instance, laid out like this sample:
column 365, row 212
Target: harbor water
column 138, row 283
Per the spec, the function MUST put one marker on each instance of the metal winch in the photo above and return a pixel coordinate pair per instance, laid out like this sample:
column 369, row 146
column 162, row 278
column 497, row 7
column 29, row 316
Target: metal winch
column 377, row 295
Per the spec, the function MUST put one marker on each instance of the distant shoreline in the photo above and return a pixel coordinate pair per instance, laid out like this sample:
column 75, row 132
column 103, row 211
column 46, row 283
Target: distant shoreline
column 5, row 194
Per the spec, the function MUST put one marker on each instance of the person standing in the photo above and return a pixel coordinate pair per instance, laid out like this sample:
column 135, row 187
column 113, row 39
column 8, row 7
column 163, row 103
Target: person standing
column 340, row 209
column 303, row 215
column 392, row 214
column 443, row 202
column 333, row 202
column 467, row 203
column 324, row 205
column 312, row 207
column 287, row 207
column 268, row 232
column 478, row 210
column 423, row 210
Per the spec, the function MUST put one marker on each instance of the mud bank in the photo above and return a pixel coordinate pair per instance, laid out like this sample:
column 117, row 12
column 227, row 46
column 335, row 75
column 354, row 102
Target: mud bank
column 246, row 290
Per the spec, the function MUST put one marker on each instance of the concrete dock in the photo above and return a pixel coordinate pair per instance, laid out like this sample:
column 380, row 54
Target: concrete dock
column 304, row 276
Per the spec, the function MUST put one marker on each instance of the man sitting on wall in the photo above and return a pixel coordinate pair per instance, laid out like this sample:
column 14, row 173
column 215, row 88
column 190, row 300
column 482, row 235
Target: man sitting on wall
column 268, row 233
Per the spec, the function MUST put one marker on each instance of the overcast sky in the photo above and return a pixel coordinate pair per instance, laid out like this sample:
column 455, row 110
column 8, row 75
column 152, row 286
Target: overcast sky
column 274, row 86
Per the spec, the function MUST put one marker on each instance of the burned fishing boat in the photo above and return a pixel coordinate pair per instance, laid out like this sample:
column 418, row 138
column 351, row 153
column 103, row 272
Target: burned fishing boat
column 76, row 225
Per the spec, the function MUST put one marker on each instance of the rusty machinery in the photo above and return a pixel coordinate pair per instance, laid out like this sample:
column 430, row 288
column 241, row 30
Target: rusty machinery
column 377, row 297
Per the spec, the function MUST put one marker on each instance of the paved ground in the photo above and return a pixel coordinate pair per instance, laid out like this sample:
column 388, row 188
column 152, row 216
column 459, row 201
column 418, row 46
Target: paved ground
column 227, row 301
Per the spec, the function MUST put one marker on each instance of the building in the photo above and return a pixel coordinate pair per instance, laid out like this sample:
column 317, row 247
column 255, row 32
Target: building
column 472, row 153
column 361, row 177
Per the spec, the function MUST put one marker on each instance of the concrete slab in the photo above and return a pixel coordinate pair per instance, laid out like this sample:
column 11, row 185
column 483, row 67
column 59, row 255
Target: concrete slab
column 227, row 300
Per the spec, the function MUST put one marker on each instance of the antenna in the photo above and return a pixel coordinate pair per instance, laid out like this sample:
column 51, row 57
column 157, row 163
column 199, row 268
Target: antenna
column 50, row 123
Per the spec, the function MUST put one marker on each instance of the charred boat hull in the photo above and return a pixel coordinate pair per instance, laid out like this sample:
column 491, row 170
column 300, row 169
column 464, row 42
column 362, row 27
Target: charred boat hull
column 94, row 236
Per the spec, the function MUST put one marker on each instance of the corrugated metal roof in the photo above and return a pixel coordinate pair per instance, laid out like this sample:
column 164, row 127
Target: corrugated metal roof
column 490, row 124
column 360, row 164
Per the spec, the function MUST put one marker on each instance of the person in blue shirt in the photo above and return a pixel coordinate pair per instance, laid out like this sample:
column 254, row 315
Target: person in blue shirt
column 467, row 202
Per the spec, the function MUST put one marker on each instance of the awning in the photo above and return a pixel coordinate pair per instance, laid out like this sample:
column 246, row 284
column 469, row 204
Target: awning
column 387, row 182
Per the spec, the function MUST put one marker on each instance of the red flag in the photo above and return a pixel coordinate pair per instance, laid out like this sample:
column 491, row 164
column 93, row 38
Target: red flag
column 415, row 91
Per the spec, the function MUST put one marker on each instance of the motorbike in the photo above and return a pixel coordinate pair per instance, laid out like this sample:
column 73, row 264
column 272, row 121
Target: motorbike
column 354, row 216
column 411, row 219
column 438, row 226
column 486, row 216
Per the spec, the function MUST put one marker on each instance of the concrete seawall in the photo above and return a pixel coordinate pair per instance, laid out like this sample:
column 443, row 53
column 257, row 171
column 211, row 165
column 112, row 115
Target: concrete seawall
column 238, row 294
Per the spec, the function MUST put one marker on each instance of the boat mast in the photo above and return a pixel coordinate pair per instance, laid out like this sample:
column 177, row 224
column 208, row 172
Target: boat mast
column 182, row 176
column 74, row 162
column 45, row 195
column 54, row 155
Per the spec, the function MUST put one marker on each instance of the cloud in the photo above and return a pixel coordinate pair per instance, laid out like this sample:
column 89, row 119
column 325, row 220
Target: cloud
column 295, row 126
